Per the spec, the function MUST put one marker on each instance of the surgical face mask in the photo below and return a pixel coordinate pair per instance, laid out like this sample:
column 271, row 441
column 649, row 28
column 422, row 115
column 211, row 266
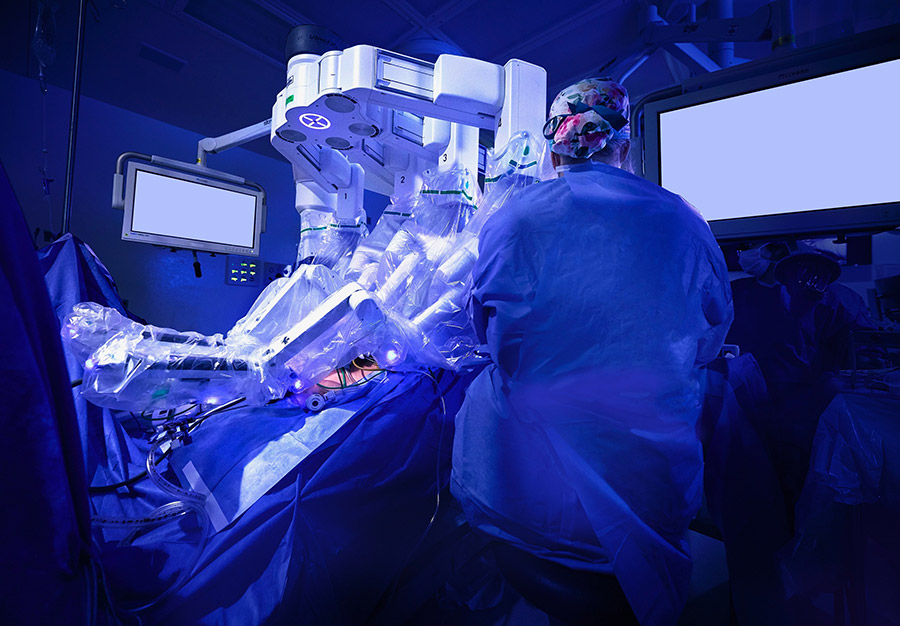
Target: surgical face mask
column 752, row 262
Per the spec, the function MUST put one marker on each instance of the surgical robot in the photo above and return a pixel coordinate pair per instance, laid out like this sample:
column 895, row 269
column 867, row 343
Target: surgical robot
column 348, row 120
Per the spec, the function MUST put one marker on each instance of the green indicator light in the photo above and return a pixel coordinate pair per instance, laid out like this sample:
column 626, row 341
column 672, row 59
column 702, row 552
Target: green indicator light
column 243, row 265
column 253, row 273
column 243, row 280
column 289, row 100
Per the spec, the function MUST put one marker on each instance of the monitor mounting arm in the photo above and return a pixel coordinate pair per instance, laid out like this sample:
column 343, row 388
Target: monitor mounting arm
column 773, row 21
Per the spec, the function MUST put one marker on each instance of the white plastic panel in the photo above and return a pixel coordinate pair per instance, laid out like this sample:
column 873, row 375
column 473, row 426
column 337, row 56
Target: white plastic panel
column 525, row 98
column 408, row 126
column 303, row 80
column 404, row 75
column 329, row 65
column 435, row 135
column 468, row 84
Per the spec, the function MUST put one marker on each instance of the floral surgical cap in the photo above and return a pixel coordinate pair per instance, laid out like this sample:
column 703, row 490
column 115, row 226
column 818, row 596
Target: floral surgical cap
column 585, row 116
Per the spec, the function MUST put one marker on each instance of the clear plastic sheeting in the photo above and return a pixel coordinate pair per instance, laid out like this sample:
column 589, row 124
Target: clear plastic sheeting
column 363, row 265
column 444, row 328
column 399, row 294
column 414, row 252
column 308, row 324
column 847, row 516
column 424, row 275
column 285, row 301
column 325, row 240
column 136, row 367
column 300, row 329
column 357, row 331
column 519, row 165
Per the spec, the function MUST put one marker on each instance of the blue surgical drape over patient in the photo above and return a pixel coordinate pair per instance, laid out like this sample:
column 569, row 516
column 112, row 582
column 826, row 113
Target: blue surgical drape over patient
column 600, row 295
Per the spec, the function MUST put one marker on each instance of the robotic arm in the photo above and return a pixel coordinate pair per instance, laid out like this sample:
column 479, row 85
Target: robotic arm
column 395, row 115
column 361, row 118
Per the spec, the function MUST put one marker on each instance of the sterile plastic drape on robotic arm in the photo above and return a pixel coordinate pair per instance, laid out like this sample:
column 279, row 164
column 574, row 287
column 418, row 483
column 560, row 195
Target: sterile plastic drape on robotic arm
column 363, row 265
column 445, row 324
column 407, row 309
column 427, row 291
column 348, row 120
column 135, row 367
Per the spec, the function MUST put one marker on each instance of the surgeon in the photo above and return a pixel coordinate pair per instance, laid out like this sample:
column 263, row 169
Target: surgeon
column 796, row 321
column 759, row 262
column 600, row 296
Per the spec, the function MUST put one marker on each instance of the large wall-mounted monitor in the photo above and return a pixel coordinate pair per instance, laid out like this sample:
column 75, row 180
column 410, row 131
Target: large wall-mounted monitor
column 183, row 210
column 808, row 148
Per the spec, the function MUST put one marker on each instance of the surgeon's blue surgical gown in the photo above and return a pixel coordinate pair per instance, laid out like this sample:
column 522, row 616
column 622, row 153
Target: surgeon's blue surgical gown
column 600, row 296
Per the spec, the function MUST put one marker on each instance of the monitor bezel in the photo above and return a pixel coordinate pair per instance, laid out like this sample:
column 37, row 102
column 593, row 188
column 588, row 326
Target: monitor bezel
column 862, row 50
column 128, row 234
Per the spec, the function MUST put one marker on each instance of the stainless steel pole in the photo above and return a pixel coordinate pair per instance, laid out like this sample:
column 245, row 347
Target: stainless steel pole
column 73, row 116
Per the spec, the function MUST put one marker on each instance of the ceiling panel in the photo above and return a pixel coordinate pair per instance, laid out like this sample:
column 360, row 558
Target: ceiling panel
column 488, row 29
column 369, row 22
column 245, row 22
column 586, row 47
column 427, row 7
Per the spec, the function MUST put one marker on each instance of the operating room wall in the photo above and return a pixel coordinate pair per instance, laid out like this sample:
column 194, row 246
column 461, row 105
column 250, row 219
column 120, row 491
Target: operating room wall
column 158, row 284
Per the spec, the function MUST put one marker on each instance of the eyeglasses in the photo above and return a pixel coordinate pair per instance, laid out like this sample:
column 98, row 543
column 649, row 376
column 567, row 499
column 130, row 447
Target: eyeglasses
column 615, row 119
column 808, row 278
column 552, row 125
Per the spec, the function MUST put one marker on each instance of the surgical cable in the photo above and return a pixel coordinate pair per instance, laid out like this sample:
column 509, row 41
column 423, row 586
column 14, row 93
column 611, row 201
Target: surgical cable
column 142, row 475
column 164, row 513
column 190, row 501
column 157, row 478
column 437, row 504
column 128, row 481
column 388, row 595
column 213, row 411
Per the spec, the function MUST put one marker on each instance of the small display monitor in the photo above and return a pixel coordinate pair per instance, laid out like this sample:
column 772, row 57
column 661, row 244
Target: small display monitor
column 811, row 148
column 184, row 210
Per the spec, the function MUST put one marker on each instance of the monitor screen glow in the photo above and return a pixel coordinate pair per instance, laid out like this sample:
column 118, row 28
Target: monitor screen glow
column 172, row 207
column 822, row 143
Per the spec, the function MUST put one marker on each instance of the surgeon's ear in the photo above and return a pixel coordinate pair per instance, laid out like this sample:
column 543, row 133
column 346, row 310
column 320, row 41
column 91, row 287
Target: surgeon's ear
column 554, row 159
column 626, row 148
